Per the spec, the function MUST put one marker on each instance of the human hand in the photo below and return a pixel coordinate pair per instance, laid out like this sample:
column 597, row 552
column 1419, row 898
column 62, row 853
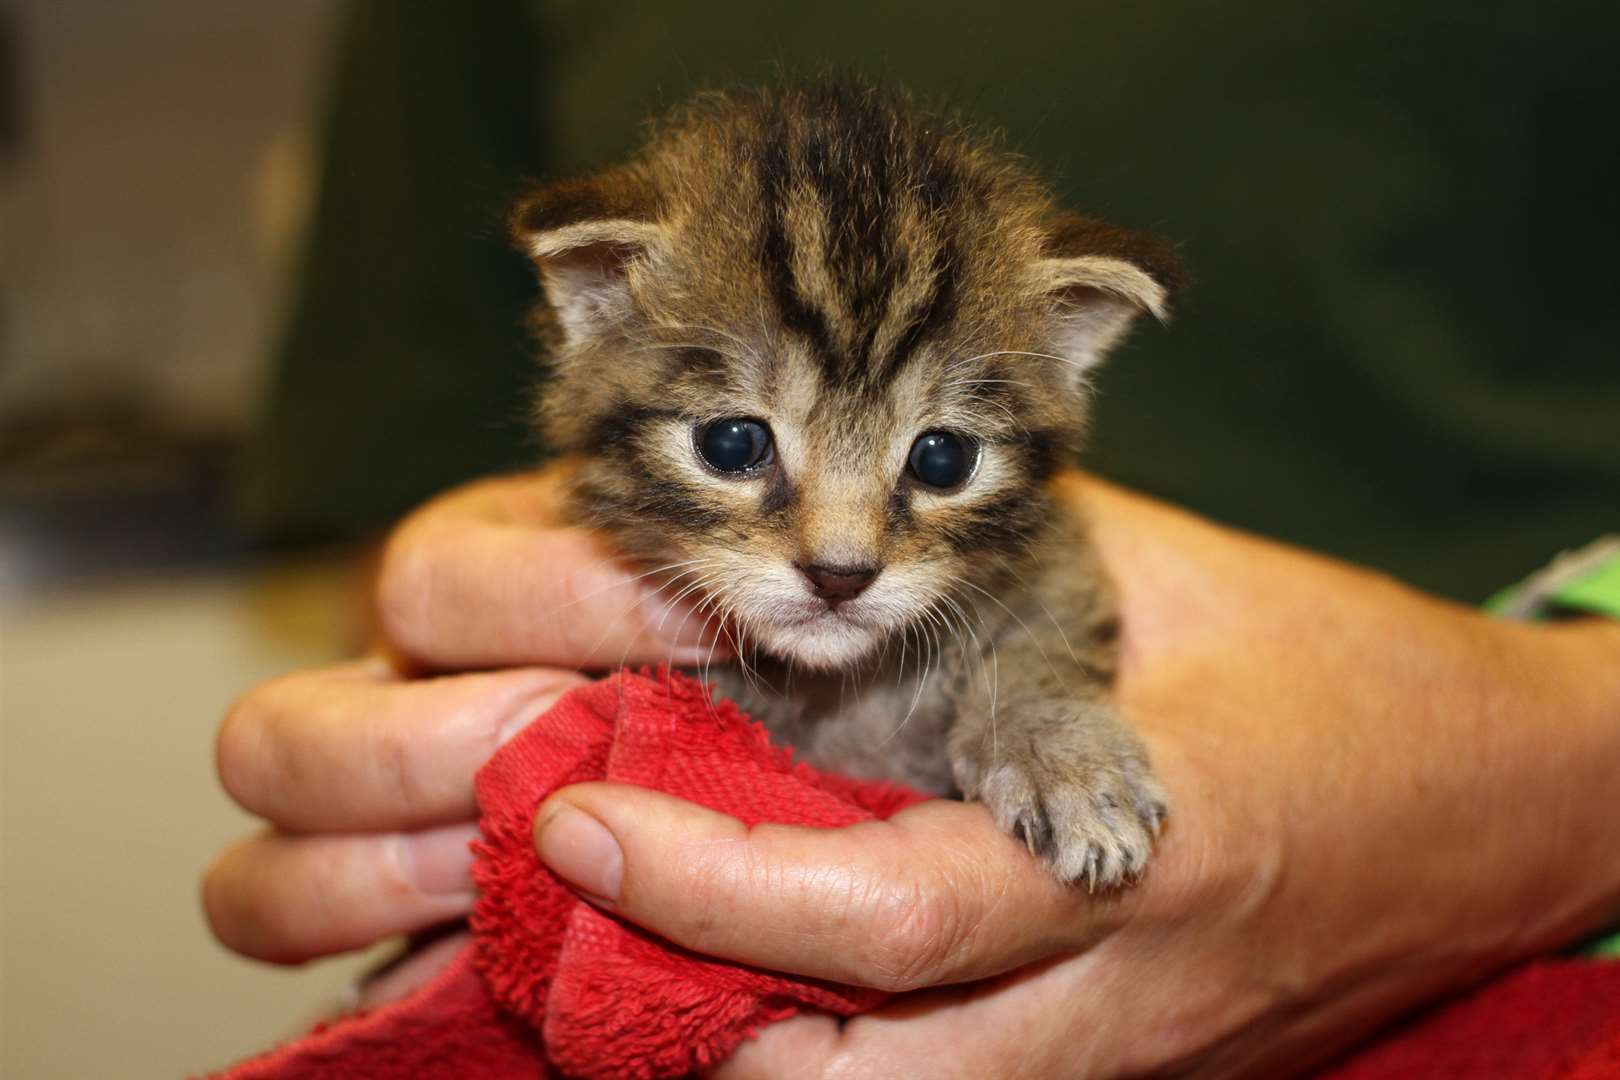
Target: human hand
column 1378, row 797
column 364, row 775
column 362, row 770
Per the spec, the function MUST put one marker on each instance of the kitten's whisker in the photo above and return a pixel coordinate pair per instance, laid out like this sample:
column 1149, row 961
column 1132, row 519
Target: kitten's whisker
column 900, row 668
column 633, row 605
column 1012, row 352
column 1036, row 596
column 995, row 683
column 594, row 593
column 608, row 628
column 686, row 590
column 922, row 680
column 721, row 631
column 991, row 382
column 750, row 675
column 700, row 583
column 989, row 663
column 1014, row 616
column 713, row 610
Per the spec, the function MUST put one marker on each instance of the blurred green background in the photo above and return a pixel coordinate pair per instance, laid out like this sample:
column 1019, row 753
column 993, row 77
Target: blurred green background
column 1400, row 344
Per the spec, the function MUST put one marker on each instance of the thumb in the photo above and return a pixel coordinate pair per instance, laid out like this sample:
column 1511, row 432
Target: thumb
column 935, row 894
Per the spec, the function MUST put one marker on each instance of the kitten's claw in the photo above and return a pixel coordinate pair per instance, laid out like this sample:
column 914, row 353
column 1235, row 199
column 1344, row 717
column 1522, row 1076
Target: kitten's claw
column 1093, row 821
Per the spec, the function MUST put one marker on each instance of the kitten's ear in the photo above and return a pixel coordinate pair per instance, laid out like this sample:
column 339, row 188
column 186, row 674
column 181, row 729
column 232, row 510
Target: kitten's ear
column 587, row 236
column 1099, row 278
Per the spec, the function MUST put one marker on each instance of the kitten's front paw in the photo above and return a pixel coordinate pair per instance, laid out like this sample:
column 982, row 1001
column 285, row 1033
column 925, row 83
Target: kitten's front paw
column 1085, row 801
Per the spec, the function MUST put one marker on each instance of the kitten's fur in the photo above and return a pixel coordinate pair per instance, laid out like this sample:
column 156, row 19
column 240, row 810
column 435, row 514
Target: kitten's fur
column 854, row 273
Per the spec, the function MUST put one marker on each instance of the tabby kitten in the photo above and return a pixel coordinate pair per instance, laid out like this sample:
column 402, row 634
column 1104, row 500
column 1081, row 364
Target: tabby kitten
column 818, row 356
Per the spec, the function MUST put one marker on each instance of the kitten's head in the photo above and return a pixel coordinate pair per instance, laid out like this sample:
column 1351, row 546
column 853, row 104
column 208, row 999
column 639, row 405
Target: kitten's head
column 818, row 354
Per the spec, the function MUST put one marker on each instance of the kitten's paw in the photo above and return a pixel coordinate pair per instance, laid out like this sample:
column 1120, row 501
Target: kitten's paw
column 1091, row 812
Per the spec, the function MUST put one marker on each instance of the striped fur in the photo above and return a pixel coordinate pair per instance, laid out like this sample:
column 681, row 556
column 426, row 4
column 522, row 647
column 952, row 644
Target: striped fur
column 853, row 273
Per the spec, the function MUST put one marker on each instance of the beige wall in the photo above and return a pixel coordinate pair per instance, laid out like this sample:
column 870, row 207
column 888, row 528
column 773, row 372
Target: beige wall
column 109, row 811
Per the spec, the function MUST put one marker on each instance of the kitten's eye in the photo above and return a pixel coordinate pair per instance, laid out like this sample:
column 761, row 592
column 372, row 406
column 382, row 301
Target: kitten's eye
column 735, row 444
column 942, row 459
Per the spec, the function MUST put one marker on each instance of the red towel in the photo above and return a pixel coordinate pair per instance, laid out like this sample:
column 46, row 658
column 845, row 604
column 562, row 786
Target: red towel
column 552, row 985
column 1550, row 1020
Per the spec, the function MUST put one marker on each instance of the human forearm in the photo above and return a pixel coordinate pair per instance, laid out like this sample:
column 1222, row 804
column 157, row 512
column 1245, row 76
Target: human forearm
column 1558, row 753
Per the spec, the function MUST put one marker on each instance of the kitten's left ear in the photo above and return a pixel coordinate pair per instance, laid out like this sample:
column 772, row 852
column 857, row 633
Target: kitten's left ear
column 588, row 236
column 1099, row 278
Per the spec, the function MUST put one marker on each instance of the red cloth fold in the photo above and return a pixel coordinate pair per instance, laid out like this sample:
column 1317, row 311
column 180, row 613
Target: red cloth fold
column 552, row 985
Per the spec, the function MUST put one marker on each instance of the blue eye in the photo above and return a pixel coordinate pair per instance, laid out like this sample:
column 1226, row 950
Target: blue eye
column 941, row 459
column 734, row 445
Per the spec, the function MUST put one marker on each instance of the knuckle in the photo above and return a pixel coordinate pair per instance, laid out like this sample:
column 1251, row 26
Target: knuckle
column 918, row 927
column 719, row 879
column 400, row 763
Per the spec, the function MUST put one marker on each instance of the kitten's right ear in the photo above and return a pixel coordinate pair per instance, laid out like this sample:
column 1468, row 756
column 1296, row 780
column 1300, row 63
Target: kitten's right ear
column 588, row 236
column 1098, row 278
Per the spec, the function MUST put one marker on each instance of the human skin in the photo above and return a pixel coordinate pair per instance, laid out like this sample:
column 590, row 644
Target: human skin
column 1378, row 797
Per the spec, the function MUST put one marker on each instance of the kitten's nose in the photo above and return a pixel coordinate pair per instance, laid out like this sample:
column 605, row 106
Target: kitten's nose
column 835, row 584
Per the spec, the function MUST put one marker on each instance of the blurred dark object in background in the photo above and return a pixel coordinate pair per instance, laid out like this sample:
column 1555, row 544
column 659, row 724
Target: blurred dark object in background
column 104, row 487
column 10, row 89
column 152, row 177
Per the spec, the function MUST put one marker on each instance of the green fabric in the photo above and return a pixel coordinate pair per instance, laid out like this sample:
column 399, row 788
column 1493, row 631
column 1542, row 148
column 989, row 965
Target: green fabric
column 1591, row 588
column 1399, row 346
column 1597, row 592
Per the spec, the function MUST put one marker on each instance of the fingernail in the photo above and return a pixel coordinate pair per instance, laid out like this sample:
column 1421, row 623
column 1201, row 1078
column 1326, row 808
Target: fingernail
column 531, row 710
column 439, row 862
column 582, row 852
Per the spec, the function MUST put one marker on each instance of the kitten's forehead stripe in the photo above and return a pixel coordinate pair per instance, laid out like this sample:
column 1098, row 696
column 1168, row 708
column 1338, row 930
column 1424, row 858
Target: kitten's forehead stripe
column 776, row 249
column 931, row 317
column 866, row 177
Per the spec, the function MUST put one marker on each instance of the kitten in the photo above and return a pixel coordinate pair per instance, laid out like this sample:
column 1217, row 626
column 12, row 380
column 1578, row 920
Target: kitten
column 818, row 356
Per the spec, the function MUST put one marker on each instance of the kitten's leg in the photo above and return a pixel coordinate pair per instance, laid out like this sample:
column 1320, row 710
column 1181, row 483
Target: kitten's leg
column 1038, row 739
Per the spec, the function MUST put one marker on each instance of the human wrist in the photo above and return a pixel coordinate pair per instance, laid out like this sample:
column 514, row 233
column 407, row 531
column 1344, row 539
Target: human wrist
column 1555, row 708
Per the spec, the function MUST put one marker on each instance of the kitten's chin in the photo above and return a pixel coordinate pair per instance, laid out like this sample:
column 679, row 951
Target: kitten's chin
column 823, row 644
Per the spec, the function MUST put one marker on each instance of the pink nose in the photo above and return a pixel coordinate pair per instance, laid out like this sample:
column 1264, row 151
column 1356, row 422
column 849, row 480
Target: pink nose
column 835, row 584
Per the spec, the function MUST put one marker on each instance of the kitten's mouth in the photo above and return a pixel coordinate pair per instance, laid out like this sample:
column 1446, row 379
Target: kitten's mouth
column 842, row 613
column 830, row 638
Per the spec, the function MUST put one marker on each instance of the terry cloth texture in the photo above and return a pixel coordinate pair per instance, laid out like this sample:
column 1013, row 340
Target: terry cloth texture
column 551, row 985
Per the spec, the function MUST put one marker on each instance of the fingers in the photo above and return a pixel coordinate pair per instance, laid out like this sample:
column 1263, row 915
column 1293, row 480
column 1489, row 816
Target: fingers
column 485, row 577
column 935, row 894
column 288, row 898
column 410, row 972
column 354, row 748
